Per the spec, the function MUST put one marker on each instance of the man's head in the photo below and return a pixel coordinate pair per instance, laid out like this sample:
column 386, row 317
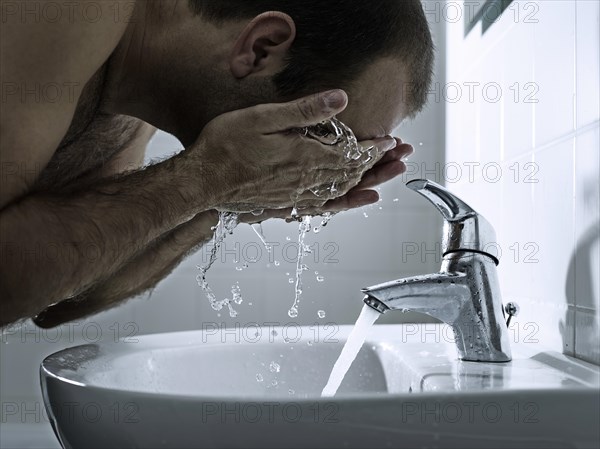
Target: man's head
column 230, row 54
column 336, row 40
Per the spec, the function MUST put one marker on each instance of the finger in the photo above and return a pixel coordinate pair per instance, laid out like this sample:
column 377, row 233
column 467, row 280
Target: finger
column 400, row 152
column 315, row 155
column 266, row 215
column 352, row 200
column 382, row 144
column 306, row 111
column 380, row 174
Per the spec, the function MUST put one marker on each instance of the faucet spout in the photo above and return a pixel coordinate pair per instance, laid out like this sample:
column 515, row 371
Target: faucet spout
column 439, row 295
column 464, row 294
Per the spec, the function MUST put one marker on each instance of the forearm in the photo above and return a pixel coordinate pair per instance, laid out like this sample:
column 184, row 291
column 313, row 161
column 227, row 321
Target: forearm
column 58, row 246
column 141, row 273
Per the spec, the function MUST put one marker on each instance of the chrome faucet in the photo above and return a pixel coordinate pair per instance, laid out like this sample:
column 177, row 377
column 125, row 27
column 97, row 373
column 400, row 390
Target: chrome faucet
column 465, row 293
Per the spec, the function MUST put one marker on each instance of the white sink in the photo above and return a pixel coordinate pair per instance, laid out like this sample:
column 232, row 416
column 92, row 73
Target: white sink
column 405, row 389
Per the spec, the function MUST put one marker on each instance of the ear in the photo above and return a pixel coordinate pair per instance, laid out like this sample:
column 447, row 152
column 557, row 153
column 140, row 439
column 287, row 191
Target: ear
column 263, row 45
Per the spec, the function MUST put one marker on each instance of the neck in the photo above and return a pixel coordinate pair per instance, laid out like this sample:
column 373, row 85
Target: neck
column 138, row 82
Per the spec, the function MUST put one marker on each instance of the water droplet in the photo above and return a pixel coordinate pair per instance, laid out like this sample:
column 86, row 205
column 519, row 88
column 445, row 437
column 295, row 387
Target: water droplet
column 316, row 230
column 321, row 313
column 277, row 263
column 293, row 312
column 290, row 391
column 288, row 238
column 259, row 378
column 320, row 278
column 274, row 383
column 396, row 200
column 291, row 280
column 287, row 274
column 249, row 303
column 365, row 215
column 274, row 333
column 309, row 342
column 405, row 310
column 274, row 367
column 420, row 144
column 238, row 268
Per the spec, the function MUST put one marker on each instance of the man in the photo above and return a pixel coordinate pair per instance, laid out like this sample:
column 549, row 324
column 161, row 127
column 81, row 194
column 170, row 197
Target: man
column 83, row 227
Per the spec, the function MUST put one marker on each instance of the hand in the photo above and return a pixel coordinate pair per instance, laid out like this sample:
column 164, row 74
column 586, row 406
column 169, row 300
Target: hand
column 258, row 161
column 387, row 168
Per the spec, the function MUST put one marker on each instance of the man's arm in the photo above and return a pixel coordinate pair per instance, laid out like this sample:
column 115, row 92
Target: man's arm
column 55, row 247
column 150, row 266
column 92, row 233
column 139, row 274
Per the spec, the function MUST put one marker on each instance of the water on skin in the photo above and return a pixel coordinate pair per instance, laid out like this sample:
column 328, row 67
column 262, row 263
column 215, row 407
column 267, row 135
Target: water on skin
column 357, row 337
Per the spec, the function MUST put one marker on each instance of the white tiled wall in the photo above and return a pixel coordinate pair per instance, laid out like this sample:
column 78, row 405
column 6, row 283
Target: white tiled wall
column 545, row 202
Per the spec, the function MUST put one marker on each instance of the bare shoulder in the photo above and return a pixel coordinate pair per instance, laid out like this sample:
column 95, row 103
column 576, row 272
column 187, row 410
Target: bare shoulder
column 49, row 51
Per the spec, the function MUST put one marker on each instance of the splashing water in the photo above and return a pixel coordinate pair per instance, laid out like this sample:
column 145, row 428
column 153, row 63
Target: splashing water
column 327, row 216
column 258, row 230
column 274, row 367
column 357, row 337
column 227, row 223
column 334, row 132
column 303, row 229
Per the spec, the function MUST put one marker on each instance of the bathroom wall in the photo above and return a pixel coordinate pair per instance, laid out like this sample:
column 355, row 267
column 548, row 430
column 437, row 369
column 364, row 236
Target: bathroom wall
column 522, row 147
column 395, row 238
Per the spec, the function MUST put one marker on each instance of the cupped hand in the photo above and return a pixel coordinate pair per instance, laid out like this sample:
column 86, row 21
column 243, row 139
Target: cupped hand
column 387, row 168
column 256, row 159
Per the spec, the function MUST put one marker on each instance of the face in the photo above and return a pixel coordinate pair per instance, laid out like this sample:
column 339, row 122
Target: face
column 376, row 105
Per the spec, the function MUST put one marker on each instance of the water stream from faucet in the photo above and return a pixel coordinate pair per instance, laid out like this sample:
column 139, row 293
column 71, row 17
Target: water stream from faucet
column 357, row 337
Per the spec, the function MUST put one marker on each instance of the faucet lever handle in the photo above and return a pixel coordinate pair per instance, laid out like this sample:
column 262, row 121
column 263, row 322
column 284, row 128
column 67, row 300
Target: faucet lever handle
column 450, row 206
column 464, row 228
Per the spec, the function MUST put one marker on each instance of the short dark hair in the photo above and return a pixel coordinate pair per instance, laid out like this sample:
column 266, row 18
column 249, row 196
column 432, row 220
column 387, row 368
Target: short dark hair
column 337, row 39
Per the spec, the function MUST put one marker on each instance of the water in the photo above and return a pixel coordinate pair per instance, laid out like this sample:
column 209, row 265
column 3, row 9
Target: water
column 258, row 229
column 357, row 337
column 304, row 228
column 331, row 132
column 274, row 367
column 227, row 223
column 327, row 216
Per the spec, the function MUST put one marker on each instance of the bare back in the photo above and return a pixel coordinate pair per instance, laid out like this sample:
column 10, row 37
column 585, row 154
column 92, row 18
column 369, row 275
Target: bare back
column 50, row 141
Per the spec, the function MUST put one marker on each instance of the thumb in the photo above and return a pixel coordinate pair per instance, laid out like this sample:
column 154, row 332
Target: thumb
column 305, row 111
